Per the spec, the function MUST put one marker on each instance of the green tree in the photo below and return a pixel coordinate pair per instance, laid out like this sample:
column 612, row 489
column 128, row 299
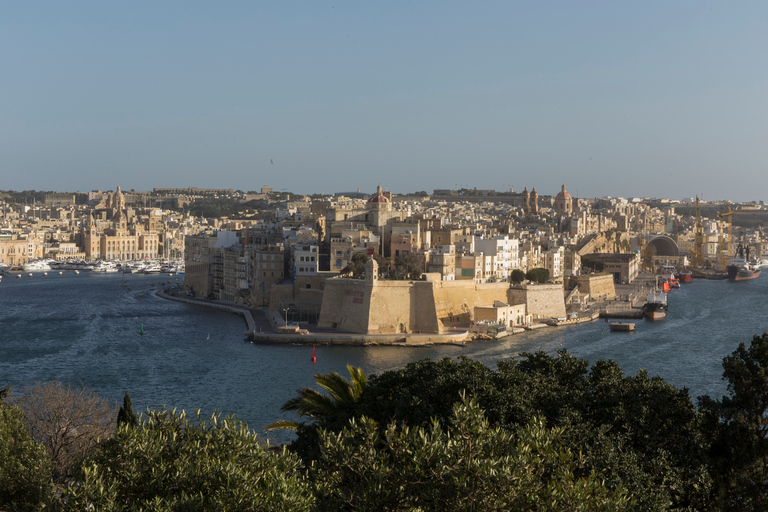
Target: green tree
column 322, row 407
column 738, row 425
column 169, row 462
column 592, row 265
column 464, row 465
column 408, row 266
column 356, row 265
column 538, row 275
column 125, row 414
column 637, row 431
column 25, row 468
column 517, row 276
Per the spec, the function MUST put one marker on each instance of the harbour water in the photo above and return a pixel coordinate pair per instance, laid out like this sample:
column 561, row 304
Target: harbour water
column 86, row 329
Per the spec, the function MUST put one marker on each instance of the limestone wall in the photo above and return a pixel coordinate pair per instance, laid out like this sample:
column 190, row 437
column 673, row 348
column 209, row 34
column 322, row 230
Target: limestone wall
column 542, row 300
column 597, row 285
column 390, row 307
column 346, row 303
column 403, row 307
column 456, row 300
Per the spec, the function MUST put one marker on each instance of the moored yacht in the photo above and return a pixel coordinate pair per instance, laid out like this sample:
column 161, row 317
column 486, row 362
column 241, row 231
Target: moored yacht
column 37, row 266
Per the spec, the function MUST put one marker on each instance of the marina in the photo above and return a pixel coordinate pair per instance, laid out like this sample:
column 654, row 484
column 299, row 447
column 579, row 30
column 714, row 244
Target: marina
column 84, row 329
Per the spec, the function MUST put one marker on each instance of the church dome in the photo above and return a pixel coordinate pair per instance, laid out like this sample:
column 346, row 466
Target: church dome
column 563, row 193
column 379, row 196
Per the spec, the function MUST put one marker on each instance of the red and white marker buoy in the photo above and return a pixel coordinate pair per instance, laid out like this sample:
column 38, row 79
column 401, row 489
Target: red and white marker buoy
column 313, row 354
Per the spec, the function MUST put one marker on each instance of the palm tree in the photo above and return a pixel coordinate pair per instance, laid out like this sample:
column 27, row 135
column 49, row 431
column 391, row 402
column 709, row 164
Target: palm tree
column 319, row 406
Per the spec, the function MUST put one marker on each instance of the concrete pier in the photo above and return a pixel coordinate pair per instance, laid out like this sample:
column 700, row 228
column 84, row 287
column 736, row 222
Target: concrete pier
column 230, row 308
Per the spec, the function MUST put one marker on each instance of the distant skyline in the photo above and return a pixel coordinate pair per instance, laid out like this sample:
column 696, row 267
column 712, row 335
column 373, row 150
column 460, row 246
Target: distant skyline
column 654, row 99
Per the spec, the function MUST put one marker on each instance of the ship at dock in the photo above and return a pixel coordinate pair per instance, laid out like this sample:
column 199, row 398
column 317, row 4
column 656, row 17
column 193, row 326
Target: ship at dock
column 655, row 307
column 740, row 269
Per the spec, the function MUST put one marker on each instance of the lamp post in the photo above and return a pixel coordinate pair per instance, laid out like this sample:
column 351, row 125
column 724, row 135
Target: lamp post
column 286, row 317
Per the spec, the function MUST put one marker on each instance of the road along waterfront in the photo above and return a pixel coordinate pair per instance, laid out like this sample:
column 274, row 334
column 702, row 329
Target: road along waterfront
column 85, row 329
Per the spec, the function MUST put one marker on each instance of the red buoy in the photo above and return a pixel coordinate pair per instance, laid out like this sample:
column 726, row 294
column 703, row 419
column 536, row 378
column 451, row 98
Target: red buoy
column 313, row 354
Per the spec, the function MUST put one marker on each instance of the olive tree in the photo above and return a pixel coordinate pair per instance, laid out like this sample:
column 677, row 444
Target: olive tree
column 171, row 462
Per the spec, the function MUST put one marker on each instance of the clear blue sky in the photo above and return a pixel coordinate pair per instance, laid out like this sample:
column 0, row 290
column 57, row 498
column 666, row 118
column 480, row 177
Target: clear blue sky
column 653, row 98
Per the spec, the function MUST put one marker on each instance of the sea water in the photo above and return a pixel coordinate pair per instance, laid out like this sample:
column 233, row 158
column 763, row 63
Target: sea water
column 111, row 333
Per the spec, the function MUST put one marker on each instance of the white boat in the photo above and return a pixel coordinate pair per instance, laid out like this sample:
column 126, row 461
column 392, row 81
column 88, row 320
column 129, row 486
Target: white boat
column 105, row 266
column 37, row 266
column 763, row 263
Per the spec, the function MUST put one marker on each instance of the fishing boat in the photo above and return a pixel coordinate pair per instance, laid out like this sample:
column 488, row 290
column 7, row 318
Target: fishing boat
column 740, row 269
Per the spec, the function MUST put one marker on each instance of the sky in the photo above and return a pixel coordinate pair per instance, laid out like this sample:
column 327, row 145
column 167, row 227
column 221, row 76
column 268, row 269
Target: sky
column 630, row 99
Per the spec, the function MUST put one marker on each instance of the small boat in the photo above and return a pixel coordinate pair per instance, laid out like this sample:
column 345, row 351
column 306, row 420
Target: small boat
column 622, row 326
column 686, row 275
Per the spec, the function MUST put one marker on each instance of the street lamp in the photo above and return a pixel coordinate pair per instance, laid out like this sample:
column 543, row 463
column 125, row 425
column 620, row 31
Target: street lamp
column 286, row 317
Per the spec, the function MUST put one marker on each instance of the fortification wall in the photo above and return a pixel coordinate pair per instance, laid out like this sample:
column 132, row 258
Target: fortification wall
column 391, row 307
column 597, row 285
column 541, row 300
column 345, row 306
column 403, row 307
column 456, row 300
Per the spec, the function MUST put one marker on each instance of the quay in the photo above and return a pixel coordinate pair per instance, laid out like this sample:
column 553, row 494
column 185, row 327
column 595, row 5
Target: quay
column 256, row 335
column 230, row 308
column 269, row 330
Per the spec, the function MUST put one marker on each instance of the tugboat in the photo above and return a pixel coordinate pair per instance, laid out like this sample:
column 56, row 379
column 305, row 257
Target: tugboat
column 669, row 280
column 655, row 307
column 686, row 275
column 740, row 269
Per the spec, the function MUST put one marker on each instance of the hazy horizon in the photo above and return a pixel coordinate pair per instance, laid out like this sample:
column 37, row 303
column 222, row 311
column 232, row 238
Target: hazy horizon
column 651, row 99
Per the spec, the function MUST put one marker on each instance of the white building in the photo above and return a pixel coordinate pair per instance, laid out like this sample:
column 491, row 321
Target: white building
column 500, row 256
column 305, row 259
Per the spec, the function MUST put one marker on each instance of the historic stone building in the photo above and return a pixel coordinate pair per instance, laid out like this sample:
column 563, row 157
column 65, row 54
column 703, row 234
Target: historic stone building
column 563, row 202
column 122, row 240
column 371, row 306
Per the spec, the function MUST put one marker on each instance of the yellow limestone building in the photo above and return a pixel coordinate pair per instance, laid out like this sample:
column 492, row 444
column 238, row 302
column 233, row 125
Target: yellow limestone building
column 372, row 306
column 122, row 241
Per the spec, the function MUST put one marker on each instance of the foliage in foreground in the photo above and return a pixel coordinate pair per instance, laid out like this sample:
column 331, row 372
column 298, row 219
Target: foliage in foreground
column 68, row 421
column 467, row 466
column 25, row 468
column 636, row 432
column 169, row 462
column 445, row 435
